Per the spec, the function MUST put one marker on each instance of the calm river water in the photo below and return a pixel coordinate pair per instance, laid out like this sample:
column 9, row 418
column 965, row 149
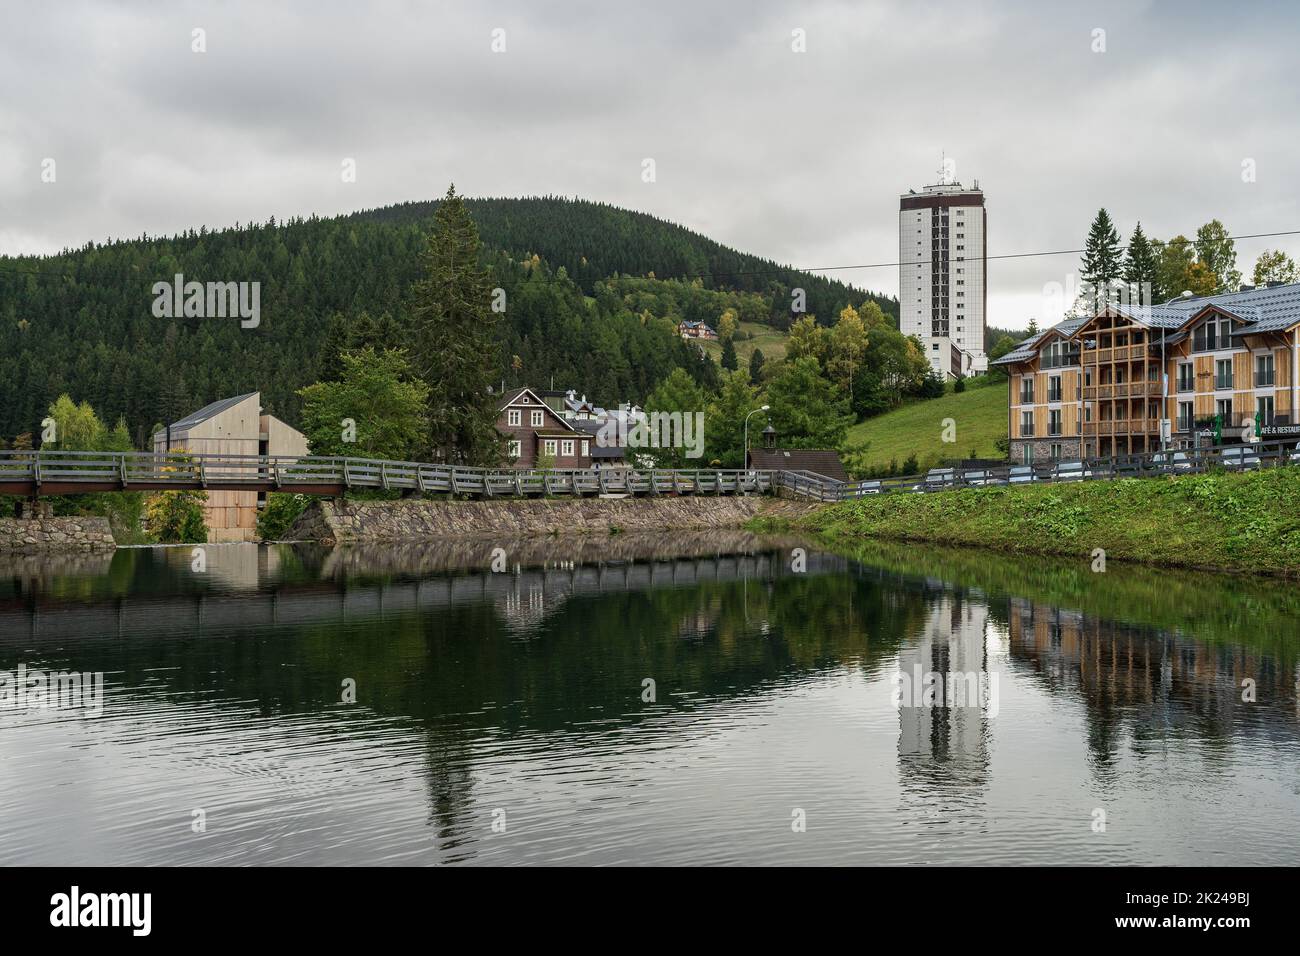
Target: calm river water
column 717, row 699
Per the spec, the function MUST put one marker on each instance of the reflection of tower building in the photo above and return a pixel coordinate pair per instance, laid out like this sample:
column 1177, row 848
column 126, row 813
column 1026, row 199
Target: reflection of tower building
column 951, row 645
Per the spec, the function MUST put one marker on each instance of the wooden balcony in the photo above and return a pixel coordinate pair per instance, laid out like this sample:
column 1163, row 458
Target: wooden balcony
column 1120, row 353
column 1121, row 426
column 1122, row 390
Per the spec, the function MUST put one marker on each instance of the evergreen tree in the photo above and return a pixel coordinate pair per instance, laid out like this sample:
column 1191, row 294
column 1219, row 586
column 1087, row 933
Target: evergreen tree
column 1101, row 254
column 454, row 341
column 1140, row 270
column 729, row 361
column 756, row 361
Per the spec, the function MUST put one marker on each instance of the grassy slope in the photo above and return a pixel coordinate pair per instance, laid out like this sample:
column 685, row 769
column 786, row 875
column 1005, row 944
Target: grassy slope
column 916, row 428
column 771, row 341
column 1245, row 522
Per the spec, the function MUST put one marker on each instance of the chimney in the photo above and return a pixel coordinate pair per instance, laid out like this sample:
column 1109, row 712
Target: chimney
column 1247, row 288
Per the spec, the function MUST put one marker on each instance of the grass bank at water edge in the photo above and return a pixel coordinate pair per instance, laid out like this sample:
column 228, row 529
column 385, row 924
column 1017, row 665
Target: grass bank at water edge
column 1236, row 522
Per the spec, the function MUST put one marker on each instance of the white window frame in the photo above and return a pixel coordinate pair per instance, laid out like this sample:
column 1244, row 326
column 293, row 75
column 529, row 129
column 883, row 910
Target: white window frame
column 539, row 418
column 549, row 446
column 515, row 417
column 515, row 449
column 566, row 448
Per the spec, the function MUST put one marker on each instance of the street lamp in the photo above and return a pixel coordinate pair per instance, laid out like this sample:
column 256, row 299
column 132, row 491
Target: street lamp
column 747, row 417
column 1164, row 372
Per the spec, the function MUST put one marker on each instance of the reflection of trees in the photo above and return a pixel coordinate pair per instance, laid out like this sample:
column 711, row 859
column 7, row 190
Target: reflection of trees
column 463, row 667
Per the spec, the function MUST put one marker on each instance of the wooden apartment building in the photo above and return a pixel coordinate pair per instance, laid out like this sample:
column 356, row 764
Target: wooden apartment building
column 1192, row 372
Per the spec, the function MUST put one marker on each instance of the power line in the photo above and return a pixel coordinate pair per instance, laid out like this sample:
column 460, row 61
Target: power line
column 811, row 270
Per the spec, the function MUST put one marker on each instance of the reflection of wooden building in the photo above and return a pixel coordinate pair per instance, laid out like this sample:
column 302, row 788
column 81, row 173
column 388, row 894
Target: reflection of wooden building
column 232, row 426
column 1130, row 677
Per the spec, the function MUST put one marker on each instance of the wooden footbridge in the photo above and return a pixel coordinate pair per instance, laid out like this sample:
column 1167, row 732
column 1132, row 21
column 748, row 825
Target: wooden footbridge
column 40, row 473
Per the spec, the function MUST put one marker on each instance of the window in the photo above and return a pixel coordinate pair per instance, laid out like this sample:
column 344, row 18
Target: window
column 1054, row 388
column 515, row 416
column 538, row 418
column 1055, row 451
column 1026, row 424
column 1203, row 338
column 1264, row 410
column 1026, row 390
column 586, row 447
column 1223, row 408
column 1223, row 373
column 1027, row 454
column 1264, row 369
column 549, row 446
column 1186, row 378
column 1054, row 421
column 1185, row 416
column 566, row 447
column 515, row 449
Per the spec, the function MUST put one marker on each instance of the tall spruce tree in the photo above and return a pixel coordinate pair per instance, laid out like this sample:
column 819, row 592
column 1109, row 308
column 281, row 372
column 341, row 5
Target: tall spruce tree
column 729, row 355
column 1101, row 253
column 454, row 341
column 1140, row 267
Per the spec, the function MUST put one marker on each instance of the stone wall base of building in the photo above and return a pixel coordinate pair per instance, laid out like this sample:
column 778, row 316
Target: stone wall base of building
column 1041, row 449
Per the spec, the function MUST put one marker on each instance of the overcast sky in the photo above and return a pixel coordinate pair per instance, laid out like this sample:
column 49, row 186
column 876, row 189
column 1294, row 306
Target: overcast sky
column 799, row 157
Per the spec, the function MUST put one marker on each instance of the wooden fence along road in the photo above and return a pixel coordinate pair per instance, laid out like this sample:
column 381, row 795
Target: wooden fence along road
column 35, row 473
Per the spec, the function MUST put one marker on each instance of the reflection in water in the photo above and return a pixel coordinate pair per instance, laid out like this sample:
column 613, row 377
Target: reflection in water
column 522, row 695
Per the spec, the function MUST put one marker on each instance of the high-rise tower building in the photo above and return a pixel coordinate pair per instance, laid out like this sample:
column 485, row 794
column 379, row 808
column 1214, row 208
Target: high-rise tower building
column 942, row 294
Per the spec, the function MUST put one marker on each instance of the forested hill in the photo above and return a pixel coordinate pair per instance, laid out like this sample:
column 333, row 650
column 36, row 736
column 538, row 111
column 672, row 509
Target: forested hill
column 595, row 240
column 581, row 308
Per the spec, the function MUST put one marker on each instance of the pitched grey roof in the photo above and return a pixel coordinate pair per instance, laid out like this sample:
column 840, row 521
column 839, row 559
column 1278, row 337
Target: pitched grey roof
column 208, row 411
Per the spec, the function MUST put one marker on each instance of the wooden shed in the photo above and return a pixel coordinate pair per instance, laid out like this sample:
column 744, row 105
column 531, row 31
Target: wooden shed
column 232, row 426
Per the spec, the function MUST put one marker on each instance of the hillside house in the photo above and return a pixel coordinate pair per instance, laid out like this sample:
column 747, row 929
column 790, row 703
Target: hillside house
column 690, row 329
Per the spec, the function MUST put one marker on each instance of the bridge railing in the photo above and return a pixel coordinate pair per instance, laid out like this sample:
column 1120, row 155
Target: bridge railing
column 1243, row 457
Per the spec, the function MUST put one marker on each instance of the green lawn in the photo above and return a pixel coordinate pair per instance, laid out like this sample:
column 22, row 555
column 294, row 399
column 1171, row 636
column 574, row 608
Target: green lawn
column 1245, row 522
column 978, row 414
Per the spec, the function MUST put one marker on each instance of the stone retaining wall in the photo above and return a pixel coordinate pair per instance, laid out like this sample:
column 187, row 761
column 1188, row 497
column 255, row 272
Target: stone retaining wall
column 44, row 535
column 338, row 522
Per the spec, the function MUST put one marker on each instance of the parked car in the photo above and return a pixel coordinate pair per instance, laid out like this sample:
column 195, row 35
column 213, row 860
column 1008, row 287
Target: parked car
column 937, row 478
column 1021, row 475
column 1295, row 454
column 1173, row 461
column 863, row 489
column 1070, row 471
column 982, row 478
column 1238, row 457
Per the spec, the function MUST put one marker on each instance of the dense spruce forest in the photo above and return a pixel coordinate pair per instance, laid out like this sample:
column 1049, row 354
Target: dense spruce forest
column 593, row 295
